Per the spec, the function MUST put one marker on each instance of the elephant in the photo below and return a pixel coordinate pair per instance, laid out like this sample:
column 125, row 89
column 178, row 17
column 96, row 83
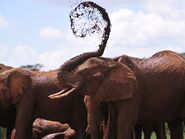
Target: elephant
column 28, row 91
column 50, row 130
column 123, row 96
column 104, row 80
column 7, row 115
column 161, row 75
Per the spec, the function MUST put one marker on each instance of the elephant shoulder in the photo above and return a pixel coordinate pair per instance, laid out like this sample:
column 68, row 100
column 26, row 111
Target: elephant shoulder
column 165, row 61
column 166, row 53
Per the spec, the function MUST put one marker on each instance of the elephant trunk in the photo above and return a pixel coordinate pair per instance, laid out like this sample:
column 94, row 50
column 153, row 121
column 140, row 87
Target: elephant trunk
column 66, row 75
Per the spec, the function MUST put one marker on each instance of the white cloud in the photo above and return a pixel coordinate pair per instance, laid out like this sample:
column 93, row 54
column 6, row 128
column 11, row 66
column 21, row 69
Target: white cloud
column 144, row 33
column 136, row 33
column 159, row 25
column 166, row 8
column 50, row 33
column 3, row 22
column 18, row 56
column 71, row 47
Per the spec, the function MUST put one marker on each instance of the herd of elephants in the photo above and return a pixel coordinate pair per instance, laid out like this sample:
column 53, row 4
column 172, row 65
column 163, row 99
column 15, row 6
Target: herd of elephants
column 95, row 97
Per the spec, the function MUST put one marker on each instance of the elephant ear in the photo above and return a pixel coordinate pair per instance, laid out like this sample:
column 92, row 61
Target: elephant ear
column 119, row 84
column 18, row 83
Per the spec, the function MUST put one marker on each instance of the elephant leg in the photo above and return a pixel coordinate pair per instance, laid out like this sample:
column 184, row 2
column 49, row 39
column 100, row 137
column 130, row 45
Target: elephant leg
column 175, row 127
column 160, row 130
column 95, row 126
column 104, row 129
column 112, row 121
column 94, row 117
column 138, row 131
column 9, row 132
column 79, row 121
column 13, row 134
column 126, row 119
column 147, row 129
column 24, row 118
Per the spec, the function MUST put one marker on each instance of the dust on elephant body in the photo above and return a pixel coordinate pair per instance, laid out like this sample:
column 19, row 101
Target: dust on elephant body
column 162, row 79
column 29, row 91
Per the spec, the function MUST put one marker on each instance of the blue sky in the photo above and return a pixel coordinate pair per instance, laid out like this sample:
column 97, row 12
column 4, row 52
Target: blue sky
column 37, row 31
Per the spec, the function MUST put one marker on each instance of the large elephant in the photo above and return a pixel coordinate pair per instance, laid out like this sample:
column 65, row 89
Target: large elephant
column 29, row 91
column 7, row 115
column 112, row 82
column 161, row 79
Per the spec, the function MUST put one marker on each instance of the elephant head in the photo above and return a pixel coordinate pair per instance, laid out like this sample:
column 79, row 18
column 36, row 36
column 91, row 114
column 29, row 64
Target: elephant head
column 68, row 78
column 105, row 79
column 13, row 84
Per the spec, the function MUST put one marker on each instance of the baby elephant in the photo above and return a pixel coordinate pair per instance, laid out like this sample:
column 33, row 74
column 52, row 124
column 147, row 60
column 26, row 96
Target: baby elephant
column 46, row 129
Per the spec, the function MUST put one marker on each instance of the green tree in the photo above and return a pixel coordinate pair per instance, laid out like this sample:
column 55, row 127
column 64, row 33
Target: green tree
column 36, row 67
column 183, row 54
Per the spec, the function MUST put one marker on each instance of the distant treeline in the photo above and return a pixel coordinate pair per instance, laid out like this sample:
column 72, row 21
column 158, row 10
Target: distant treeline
column 183, row 54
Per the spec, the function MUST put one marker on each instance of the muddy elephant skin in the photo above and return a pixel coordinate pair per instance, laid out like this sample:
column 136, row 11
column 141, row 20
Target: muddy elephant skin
column 161, row 80
column 29, row 92
column 7, row 114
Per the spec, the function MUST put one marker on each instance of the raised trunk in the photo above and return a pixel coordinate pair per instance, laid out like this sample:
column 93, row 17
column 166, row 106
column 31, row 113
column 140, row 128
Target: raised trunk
column 66, row 75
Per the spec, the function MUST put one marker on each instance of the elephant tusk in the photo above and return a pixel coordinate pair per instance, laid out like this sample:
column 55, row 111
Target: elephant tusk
column 60, row 95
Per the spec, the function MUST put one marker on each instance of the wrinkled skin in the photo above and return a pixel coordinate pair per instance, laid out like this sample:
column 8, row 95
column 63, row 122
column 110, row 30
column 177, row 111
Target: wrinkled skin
column 161, row 80
column 7, row 115
column 29, row 92
column 50, row 129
